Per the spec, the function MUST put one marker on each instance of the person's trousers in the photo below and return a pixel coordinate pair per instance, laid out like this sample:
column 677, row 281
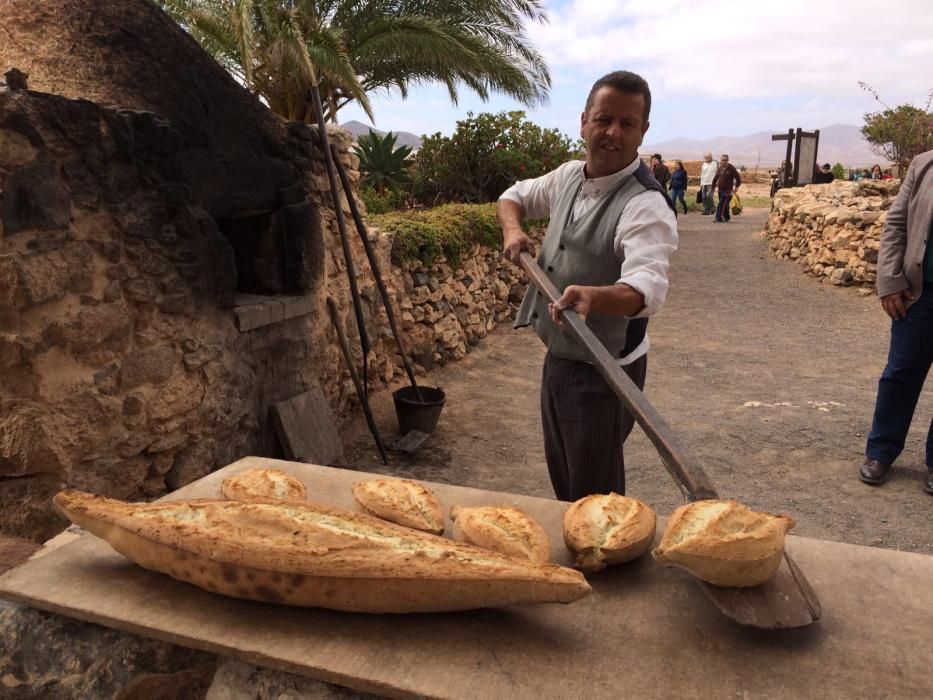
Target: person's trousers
column 708, row 204
column 585, row 425
column 722, row 211
column 678, row 194
column 909, row 358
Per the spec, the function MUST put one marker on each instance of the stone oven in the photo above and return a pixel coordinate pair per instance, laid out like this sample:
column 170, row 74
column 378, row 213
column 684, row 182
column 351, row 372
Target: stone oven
column 162, row 259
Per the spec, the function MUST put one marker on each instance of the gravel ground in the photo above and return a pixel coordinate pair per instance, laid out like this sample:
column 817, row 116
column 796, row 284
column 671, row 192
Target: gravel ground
column 766, row 375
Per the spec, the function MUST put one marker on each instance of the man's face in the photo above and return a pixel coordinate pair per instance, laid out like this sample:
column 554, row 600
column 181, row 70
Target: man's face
column 613, row 129
column 724, row 160
column 708, row 157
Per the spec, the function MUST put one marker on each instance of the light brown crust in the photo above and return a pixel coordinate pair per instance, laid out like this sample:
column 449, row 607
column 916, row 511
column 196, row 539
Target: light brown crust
column 315, row 555
column 401, row 501
column 504, row 529
column 605, row 529
column 725, row 543
column 261, row 484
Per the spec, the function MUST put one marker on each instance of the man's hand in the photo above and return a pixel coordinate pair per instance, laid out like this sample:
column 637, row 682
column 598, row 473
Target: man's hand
column 895, row 305
column 578, row 298
column 514, row 243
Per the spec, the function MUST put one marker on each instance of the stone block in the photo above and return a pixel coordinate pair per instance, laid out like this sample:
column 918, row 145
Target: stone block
column 182, row 394
column 35, row 197
column 147, row 366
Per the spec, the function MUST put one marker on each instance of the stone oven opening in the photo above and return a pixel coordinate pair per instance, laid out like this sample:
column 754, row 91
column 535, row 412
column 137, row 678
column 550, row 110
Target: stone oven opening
column 277, row 252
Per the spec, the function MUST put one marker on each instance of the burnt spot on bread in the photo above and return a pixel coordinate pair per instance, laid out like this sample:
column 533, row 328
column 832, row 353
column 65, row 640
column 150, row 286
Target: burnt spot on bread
column 229, row 572
column 297, row 580
column 276, row 578
column 269, row 594
column 250, row 576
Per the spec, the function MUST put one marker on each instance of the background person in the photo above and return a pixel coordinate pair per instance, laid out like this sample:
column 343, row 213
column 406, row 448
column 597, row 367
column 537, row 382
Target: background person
column 660, row 171
column 876, row 173
column 727, row 182
column 708, row 171
column 905, row 285
column 611, row 234
column 679, row 185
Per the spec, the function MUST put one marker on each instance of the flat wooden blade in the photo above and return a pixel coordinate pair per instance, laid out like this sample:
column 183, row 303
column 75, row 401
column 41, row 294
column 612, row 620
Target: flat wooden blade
column 785, row 600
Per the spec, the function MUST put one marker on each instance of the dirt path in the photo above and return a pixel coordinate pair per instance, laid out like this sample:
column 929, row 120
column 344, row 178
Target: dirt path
column 768, row 376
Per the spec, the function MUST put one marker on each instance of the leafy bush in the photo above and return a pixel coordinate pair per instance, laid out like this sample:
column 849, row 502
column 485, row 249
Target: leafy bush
column 382, row 165
column 380, row 203
column 447, row 231
column 839, row 171
column 901, row 133
column 486, row 155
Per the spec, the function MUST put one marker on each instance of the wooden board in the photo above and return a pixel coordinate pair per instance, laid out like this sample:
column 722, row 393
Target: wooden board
column 306, row 428
column 646, row 631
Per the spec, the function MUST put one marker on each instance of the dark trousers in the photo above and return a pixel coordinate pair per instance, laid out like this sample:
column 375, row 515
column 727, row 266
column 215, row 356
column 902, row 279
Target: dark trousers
column 722, row 211
column 708, row 205
column 585, row 426
column 909, row 359
column 678, row 194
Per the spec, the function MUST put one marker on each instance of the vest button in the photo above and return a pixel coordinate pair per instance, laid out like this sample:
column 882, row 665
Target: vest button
column 550, row 268
column 560, row 247
column 534, row 315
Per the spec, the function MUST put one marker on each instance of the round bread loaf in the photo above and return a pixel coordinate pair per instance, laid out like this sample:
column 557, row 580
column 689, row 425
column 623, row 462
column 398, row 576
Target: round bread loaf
column 605, row 529
column 261, row 484
column 401, row 501
column 504, row 529
column 725, row 543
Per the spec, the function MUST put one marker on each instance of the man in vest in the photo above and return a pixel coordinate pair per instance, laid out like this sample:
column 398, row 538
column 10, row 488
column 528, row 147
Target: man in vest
column 612, row 231
column 905, row 285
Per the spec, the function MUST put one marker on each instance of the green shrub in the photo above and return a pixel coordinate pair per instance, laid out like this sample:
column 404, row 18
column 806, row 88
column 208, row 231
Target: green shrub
column 380, row 203
column 382, row 165
column 839, row 171
column 447, row 231
column 485, row 155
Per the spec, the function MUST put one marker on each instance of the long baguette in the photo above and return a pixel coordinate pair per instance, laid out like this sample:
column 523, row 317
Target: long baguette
column 314, row 555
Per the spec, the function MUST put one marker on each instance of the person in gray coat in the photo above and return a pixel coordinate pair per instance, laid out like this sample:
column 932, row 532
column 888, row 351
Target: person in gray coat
column 905, row 285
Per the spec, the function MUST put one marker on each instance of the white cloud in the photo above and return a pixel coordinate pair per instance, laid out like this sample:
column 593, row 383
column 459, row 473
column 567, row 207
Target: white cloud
column 724, row 48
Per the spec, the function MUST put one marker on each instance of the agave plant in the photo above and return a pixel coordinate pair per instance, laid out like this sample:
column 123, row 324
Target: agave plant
column 382, row 165
column 350, row 48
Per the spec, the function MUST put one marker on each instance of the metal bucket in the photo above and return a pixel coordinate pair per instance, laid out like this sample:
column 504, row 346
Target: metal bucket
column 415, row 414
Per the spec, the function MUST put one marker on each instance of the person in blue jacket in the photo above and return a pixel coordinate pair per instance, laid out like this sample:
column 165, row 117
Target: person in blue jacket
column 679, row 185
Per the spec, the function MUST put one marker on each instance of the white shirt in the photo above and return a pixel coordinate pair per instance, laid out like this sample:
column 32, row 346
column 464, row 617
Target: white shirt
column 708, row 172
column 646, row 233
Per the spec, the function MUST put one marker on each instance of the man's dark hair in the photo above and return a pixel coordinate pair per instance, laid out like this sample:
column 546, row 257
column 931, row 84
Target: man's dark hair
column 623, row 81
column 658, row 156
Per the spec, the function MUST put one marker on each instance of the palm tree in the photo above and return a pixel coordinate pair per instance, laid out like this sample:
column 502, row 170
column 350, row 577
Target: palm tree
column 350, row 48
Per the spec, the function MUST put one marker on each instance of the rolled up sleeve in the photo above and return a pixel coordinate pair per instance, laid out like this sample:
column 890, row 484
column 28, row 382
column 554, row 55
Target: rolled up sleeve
column 535, row 195
column 646, row 238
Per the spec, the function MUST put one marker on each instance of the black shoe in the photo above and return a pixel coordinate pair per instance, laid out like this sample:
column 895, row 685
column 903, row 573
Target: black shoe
column 928, row 483
column 873, row 472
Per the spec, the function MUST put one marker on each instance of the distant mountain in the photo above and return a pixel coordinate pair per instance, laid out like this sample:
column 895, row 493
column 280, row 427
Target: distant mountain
column 839, row 143
column 402, row 138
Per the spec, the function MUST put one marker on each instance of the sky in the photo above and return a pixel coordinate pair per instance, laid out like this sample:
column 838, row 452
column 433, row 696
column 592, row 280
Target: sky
column 715, row 67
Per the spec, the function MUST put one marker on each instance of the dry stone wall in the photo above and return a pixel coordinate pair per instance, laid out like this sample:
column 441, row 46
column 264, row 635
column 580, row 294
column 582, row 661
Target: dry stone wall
column 832, row 231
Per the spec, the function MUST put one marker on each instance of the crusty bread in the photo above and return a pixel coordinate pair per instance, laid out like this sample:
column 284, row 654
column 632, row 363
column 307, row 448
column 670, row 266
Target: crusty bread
column 401, row 501
column 503, row 529
column 724, row 542
column 605, row 529
column 262, row 484
column 315, row 555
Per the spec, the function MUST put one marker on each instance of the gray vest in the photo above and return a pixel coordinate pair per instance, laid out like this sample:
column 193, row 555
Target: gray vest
column 583, row 252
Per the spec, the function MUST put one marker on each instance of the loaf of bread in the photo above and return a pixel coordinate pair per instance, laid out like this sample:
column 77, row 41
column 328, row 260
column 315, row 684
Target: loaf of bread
column 263, row 484
column 605, row 529
column 724, row 542
column 502, row 529
column 315, row 555
column 401, row 501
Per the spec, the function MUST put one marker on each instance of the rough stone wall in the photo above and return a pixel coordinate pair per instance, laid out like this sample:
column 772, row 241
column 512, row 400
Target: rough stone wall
column 122, row 370
column 833, row 230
